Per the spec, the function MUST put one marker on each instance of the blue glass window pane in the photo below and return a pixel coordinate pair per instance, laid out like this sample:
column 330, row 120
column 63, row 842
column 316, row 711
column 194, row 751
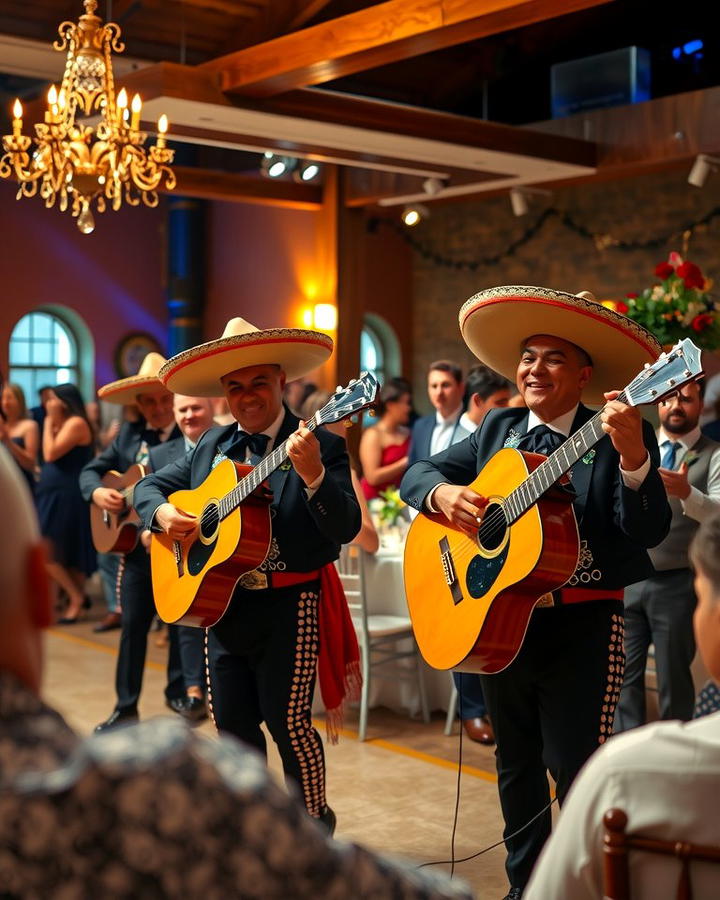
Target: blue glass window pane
column 19, row 353
column 22, row 329
column 42, row 326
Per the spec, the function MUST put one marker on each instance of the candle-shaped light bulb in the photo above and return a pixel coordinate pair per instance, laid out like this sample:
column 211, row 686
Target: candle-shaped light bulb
column 17, row 118
column 162, row 130
column 122, row 102
column 61, row 100
column 52, row 95
column 136, row 106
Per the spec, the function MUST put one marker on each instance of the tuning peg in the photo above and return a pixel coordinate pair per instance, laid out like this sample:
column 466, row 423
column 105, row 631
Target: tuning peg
column 339, row 387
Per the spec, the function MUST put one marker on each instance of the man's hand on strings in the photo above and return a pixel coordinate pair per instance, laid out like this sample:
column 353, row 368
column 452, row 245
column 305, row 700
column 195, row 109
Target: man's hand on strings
column 462, row 506
column 176, row 523
column 623, row 424
column 304, row 453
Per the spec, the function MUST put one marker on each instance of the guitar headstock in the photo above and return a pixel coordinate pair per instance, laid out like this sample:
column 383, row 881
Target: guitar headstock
column 666, row 375
column 358, row 394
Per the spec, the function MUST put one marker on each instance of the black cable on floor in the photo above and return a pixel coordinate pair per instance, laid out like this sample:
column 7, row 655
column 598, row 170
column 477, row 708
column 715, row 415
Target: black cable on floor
column 452, row 861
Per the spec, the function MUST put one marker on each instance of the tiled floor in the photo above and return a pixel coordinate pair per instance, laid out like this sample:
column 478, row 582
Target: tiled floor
column 395, row 792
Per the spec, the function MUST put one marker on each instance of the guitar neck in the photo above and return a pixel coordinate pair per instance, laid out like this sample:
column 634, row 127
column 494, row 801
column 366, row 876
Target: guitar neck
column 555, row 466
column 257, row 475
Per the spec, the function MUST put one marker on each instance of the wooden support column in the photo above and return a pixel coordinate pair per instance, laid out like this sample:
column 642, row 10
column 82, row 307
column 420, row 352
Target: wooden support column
column 350, row 294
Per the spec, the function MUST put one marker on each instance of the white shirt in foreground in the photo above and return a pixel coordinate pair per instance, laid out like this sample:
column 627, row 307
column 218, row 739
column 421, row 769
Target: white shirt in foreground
column 666, row 777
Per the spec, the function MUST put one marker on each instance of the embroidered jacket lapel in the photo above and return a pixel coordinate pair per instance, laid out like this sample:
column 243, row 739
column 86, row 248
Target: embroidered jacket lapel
column 581, row 472
column 278, row 478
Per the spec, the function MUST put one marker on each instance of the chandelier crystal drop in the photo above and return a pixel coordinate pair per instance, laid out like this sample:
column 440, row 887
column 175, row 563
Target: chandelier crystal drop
column 74, row 164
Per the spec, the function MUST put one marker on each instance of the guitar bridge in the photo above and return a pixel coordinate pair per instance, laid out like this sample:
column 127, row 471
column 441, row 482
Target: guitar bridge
column 177, row 550
column 449, row 570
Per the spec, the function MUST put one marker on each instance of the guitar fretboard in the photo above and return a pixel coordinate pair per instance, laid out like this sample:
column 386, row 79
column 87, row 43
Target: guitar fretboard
column 257, row 475
column 554, row 467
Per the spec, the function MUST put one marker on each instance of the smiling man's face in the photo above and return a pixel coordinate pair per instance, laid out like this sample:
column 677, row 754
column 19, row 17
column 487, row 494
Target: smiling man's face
column 254, row 395
column 551, row 375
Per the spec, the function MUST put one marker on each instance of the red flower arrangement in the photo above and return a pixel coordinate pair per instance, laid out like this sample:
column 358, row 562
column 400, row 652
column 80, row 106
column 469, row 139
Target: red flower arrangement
column 679, row 306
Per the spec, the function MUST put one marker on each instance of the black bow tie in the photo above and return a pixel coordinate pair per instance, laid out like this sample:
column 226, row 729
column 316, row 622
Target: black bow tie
column 541, row 440
column 256, row 442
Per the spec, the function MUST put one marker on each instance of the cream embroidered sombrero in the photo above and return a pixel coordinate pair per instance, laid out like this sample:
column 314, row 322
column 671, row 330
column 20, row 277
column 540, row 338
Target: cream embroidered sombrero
column 495, row 322
column 197, row 371
column 125, row 390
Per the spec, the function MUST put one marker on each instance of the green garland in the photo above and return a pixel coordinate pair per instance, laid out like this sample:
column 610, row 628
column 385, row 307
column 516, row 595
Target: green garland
column 601, row 241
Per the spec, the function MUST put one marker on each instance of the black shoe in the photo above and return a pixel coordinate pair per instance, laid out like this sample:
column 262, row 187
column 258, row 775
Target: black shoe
column 514, row 893
column 176, row 704
column 116, row 718
column 328, row 820
column 191, row 708
column 109, row 623
column 195, row 709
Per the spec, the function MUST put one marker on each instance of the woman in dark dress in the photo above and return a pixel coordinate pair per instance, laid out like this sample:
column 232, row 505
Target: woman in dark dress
column 19, row 432
column 68, row 444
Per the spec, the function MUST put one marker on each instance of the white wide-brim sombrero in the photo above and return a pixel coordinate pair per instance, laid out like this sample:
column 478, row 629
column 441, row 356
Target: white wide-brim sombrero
column 125, row 390
column 496, row 322
column 197, row 372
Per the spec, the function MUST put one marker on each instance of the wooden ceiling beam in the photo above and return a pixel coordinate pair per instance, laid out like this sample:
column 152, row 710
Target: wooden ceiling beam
column 233, row 188
column 375, row 36
column 273, row 20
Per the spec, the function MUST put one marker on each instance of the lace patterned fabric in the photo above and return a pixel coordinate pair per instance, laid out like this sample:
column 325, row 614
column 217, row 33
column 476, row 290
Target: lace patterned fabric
column 152, row 810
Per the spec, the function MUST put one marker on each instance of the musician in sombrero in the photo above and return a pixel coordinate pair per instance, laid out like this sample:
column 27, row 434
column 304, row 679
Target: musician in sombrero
column 262, row 654
column 553, row 705
column 132, row 445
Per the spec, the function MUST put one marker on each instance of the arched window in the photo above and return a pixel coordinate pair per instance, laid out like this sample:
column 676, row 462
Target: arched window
column 43, row 351
column 379, row 348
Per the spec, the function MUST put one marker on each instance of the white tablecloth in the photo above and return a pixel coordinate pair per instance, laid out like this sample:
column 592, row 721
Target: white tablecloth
column 385, row 593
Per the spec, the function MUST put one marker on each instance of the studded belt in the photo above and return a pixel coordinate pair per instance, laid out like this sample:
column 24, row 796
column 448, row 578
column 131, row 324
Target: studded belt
column 255, row 580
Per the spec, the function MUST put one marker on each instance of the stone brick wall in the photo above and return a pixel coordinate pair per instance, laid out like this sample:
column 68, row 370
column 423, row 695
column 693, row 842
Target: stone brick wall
column 631, row 209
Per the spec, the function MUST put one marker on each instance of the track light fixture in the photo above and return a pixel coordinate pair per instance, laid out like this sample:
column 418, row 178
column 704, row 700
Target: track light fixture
column 307, row 170
column 701, row 168
column 411, row 215
column 433, row 185
column 520, row 198
column 274, row 166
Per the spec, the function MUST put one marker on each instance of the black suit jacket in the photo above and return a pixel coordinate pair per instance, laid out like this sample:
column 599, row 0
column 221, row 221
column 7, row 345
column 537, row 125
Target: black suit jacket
column 308, row 532
column 618, row 523
column 163, row 454
column 422, row 436
column 120, row 455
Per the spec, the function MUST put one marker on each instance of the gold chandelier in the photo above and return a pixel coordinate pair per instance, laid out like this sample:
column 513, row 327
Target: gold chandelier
column 75, row 164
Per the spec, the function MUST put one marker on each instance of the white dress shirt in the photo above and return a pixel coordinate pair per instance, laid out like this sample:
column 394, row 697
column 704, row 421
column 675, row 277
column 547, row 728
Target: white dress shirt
column 444, row 432
column 665, row 777
column 697, row 505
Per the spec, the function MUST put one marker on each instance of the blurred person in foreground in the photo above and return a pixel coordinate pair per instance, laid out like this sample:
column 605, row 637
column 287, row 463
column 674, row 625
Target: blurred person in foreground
column 147, row 810
column 664, row 776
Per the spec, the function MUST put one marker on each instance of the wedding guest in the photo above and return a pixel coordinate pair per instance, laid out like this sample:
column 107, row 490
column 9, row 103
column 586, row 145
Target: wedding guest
column 384, row 447
column 149, row 810
column 67, row 444
column 367, row 537
column 664, row 776
column 19, row 432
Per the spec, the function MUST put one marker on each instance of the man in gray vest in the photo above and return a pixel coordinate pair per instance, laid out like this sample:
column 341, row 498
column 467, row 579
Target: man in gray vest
column 659, row 610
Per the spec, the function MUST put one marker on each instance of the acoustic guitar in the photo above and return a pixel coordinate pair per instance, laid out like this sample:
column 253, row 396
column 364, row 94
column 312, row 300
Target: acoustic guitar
column 117, row 532
column 193, row 580
column 470, row 599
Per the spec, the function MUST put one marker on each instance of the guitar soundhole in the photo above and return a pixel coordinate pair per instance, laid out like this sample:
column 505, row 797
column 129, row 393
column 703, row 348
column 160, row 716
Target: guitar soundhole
column 493, row 528
column 209, row 521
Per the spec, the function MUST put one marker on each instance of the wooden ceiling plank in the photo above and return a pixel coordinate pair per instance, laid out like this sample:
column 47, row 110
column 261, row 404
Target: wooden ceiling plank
column 211, row 185
column 374, row 36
